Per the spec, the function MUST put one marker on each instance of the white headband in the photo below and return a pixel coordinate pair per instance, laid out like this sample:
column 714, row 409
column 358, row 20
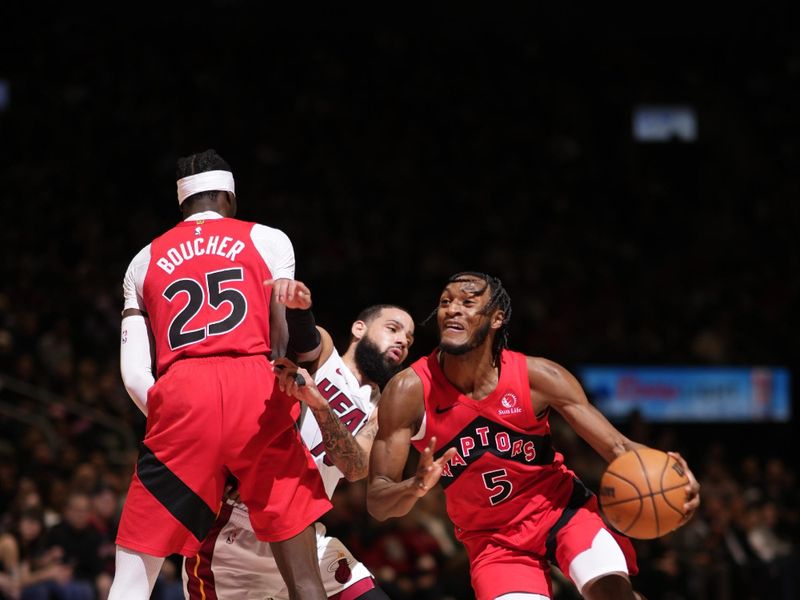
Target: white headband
column 205, row 182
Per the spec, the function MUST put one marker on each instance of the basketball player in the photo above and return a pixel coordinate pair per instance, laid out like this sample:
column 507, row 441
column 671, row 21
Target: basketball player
column 478, row 413
column 195, row 298
column 338, row 426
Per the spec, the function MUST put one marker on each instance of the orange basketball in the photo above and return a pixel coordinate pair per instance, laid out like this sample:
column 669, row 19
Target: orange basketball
column 642, row 493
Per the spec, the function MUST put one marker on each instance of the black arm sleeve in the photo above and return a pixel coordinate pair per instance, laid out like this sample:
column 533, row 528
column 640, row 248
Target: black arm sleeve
column 303, row 333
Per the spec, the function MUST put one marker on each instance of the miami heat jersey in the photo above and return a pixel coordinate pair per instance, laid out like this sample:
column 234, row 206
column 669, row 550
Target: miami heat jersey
column 201, row 284
column 352, row 402
column 505, row 469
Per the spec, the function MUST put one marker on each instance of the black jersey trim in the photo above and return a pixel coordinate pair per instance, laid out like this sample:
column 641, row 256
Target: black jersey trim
column 545, row 454
column 178, row 498
column 580, row 496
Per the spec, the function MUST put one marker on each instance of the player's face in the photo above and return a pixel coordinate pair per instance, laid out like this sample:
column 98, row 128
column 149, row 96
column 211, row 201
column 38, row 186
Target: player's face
column 461, row 316
column 392, row 332
column 381, row 350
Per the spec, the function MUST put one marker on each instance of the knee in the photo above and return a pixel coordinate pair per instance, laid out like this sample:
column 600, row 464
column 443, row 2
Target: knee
column 609, row 587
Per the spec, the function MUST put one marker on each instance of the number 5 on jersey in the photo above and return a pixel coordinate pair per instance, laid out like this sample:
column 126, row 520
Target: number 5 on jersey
column 494, row 482
column 196, row 297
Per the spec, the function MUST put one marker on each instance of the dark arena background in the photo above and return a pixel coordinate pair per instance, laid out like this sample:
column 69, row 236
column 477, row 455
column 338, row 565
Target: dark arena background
column 633, row 182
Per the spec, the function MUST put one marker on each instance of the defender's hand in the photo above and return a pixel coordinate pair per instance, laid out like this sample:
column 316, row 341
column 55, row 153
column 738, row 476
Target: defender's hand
column 429, row 470
column 298, row 383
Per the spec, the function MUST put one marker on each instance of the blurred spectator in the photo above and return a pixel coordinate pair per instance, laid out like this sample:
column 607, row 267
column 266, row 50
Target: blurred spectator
column 75, row 543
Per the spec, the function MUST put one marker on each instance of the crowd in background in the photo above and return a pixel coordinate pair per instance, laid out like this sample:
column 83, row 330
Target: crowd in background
column 393, row 160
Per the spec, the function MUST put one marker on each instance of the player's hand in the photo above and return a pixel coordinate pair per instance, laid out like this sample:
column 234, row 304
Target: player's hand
column 692, row 489
column 291, row 292
column 297, row 383
column 429, row 469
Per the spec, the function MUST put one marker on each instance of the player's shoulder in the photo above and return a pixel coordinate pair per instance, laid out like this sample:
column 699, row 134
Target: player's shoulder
column 265, row 232
column 329, row 358
column 405, row 382
column 540, row 363
column 402, row 401
column 140, row 259
column 548, row 375
column 328, row 348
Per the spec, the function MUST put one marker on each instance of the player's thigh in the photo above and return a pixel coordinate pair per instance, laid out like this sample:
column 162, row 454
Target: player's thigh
column 499, row 571
column 340, row 570
column 282, row 488
column 587, row 549
column 233, row 565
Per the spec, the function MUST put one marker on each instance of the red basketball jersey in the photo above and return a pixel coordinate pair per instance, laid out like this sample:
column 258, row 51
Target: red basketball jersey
column 204, row 292
column 505, row 469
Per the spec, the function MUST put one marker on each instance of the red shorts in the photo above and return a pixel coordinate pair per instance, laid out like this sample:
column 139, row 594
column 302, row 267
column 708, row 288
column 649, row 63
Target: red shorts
column 519, row 561
column 208, row 417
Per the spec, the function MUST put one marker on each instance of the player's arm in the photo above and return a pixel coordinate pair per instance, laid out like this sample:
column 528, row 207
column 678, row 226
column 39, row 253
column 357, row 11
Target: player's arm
column 553, row 385
column 278, row 330
column 366, row 435
column 137, row 347
column 341, row 447
column 290, row 308
column 402, row 409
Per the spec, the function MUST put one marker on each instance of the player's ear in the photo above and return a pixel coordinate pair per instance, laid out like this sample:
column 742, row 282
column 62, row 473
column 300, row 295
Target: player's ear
column 497, row 319
column 359, row 329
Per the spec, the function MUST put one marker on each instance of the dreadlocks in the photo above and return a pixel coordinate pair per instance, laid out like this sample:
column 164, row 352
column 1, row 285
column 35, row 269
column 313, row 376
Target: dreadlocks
column 499, row 299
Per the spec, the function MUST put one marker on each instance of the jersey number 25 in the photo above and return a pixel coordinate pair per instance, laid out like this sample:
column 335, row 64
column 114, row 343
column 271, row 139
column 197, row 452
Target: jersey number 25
column 178, row 335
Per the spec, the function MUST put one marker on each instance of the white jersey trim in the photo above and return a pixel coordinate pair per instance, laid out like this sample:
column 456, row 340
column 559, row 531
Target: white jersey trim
column 420, row 435
column 603, row 558
column 273, row 245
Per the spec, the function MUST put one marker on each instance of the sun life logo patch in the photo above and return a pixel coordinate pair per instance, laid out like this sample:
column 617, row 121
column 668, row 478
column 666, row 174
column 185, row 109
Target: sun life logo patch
column 509, row 403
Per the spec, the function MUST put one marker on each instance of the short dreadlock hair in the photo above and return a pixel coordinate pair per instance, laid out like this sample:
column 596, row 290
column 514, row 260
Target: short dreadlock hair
column 200, row 162
column 499, row 299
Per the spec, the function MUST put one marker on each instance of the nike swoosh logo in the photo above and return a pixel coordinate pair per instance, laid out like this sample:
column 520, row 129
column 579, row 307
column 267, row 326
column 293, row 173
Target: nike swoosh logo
column 441, row 410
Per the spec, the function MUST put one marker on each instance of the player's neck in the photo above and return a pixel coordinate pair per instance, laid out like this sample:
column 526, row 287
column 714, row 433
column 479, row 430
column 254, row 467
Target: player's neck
column 473, row 373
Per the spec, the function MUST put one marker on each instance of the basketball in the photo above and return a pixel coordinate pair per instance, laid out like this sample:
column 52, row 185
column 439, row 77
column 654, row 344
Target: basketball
column 642, row 493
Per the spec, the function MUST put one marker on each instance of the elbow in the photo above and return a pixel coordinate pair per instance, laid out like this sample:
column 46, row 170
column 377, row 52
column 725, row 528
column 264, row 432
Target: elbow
column 137, row 388
column 374, row 508
column 375, row 512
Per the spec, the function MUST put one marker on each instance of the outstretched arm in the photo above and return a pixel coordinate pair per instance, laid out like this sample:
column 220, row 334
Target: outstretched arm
column 552, row 385
column 344, row 450
column 401, row 412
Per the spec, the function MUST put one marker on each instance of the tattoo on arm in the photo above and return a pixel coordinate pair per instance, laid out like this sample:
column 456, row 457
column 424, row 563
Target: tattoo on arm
column 369, row 431
column 341, row 446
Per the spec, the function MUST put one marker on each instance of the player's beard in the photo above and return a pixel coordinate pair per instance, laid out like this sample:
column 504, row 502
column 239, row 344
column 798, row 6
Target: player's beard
column 374, row 364
column 459, row 349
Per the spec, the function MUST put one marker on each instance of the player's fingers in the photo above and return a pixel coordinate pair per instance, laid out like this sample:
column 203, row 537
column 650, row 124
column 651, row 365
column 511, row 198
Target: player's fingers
column 425, row 458
column 444, row 458
column 282, row 363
